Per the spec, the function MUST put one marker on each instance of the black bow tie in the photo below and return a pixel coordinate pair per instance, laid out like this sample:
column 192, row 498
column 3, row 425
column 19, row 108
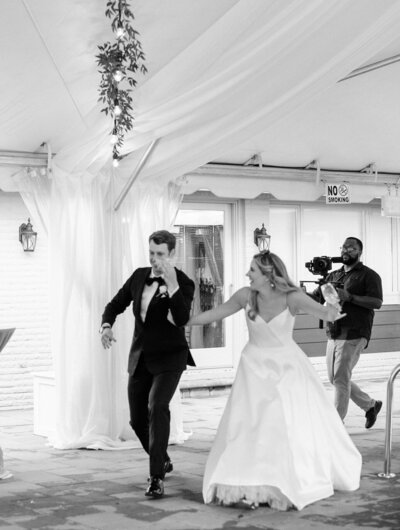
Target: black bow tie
column 157, row 279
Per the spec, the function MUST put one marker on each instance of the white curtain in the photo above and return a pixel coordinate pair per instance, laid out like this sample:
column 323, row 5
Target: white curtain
column 93, row 249
column 251, row 68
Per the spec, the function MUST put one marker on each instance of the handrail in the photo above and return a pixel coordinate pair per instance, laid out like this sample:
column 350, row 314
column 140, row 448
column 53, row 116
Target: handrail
column 388, row 437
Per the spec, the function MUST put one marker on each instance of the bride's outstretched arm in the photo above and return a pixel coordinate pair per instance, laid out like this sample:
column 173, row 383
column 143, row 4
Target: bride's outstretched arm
column 236, row 302
column 302, row 302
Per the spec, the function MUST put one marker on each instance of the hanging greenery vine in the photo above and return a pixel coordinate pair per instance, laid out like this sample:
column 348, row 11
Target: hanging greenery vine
column 117, row 63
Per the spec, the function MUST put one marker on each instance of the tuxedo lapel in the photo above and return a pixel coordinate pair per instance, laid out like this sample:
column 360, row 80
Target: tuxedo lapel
column 138, row 292
column 154, row 300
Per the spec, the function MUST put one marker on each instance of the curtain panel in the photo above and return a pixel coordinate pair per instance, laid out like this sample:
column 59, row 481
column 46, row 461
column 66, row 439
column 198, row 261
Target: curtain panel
column 92, row 251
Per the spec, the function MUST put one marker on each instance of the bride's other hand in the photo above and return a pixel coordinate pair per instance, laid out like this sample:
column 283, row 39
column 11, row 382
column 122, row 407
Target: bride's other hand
column 340, row 315
column 333, row 313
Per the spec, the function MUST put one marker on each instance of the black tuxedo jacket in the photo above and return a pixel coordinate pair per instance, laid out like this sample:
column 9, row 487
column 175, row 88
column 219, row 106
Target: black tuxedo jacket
column 162, row 343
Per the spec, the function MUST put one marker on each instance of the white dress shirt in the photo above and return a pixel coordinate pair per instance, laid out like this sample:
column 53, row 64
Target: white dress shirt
column 148, row 292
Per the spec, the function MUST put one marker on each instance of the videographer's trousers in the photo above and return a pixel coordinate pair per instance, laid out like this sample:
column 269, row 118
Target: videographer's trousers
column 341, row 358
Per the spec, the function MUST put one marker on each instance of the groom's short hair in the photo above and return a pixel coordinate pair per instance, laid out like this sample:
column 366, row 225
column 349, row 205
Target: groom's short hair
column 163, row 236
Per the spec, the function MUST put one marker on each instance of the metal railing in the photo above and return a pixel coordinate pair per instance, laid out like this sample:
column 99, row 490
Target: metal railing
column 388, row 436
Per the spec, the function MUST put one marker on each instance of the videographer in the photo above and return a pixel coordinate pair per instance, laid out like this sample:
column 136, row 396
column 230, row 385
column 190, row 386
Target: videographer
column 360, row 292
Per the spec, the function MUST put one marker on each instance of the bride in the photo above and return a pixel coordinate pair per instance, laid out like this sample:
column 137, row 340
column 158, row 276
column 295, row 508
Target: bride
column 280, row 440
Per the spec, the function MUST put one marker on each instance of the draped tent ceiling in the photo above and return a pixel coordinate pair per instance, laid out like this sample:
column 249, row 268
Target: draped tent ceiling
column 49, row 83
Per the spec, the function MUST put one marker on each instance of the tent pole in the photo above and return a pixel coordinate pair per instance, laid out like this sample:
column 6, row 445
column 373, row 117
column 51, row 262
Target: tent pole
column 370, row 67
column 134, row 175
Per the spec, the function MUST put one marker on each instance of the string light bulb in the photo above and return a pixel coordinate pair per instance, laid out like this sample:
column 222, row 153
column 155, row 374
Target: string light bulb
column 115, row 162
column 117, row 108
column 119, row 32
column 114, row 136
column 117, row 75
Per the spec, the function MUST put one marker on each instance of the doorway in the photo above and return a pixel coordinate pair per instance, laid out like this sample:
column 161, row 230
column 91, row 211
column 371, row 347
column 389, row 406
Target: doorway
column 203, row 252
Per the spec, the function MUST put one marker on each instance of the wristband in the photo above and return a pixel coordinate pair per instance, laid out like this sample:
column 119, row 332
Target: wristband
column 103, row 327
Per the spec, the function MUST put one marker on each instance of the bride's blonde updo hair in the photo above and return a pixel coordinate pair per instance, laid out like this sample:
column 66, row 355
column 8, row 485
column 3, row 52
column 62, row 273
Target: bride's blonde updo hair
column 273, row 268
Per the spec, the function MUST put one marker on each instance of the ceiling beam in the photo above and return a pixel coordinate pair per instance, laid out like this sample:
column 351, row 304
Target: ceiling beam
column 23, row 159
column 289, row 174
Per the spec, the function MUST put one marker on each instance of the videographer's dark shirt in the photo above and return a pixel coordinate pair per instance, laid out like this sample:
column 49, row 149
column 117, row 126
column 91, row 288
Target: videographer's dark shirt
column 361, row 281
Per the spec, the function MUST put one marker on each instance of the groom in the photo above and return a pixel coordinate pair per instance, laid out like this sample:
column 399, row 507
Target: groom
column 162, row 296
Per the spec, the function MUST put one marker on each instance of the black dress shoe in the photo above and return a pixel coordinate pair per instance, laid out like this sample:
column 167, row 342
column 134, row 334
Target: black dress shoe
column 168, row 467
column 372, row 414
column 156, row 488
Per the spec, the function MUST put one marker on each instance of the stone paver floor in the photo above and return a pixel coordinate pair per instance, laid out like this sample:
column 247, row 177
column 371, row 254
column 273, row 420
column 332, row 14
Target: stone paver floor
column 86, row 490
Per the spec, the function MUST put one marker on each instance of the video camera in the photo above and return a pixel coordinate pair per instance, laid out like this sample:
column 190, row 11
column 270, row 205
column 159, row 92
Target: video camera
column 322, row 264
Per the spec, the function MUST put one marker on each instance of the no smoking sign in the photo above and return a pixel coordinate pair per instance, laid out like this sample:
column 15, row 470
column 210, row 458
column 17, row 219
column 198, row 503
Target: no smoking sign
column 337, row 193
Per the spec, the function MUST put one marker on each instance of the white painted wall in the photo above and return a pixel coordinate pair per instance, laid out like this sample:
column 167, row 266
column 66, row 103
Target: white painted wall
column 23, row 305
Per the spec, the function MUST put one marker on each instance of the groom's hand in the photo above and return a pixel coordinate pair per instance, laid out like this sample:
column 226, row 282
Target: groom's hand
column 107, row 338
column 169, row 275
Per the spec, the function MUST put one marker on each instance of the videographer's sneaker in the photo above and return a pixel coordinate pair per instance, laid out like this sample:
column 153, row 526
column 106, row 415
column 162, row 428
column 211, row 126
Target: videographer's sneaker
column 372, row 414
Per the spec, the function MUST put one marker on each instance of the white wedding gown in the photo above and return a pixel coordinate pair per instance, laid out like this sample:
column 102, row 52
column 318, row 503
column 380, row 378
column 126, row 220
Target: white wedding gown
column 280, row 440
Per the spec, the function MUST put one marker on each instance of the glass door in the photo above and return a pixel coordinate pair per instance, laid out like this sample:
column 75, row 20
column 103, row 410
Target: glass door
column 203, row 244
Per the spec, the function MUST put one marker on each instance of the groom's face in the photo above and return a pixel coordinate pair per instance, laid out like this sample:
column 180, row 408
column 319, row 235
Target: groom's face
column 157, row 255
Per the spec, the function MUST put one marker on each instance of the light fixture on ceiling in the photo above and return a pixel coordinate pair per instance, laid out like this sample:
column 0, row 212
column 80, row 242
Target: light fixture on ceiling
column 261, row 238
column 390, row 204
column 27, row 236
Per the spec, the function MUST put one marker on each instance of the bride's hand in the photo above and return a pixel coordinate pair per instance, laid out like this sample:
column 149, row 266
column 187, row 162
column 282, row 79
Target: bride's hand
column 334, row 313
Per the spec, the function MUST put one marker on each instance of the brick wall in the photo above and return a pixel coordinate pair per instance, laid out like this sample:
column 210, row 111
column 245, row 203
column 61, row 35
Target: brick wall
column 23, row 305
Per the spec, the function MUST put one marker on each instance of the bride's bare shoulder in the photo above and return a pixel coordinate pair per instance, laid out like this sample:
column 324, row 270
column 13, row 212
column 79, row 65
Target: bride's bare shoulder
column 294, row 301
column 242, row 296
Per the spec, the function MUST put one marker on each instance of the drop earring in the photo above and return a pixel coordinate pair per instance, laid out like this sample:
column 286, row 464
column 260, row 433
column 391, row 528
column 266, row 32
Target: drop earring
column 271, row 283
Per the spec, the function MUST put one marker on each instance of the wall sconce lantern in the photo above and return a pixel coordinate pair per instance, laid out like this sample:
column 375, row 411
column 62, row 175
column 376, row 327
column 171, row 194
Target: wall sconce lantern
column 27, row 237
column 262, row 238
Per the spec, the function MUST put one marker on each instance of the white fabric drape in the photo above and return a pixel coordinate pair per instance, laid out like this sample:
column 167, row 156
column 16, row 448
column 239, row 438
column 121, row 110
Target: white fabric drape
column 92, row 251
column 250, row 69
column 254, row 66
